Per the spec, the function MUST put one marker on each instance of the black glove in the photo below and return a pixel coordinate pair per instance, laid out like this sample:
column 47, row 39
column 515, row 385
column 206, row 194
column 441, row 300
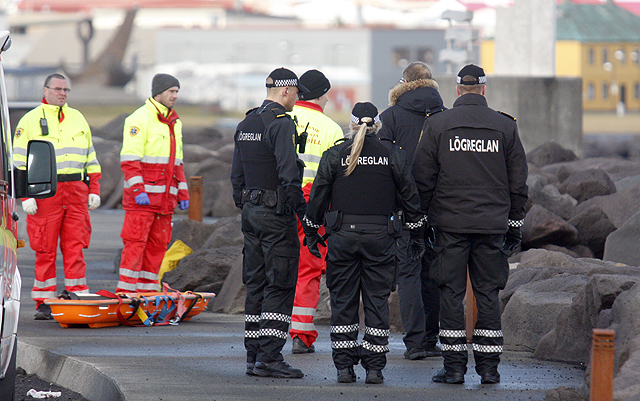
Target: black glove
column 312, row 239
column 416, row 244
column 512, row 240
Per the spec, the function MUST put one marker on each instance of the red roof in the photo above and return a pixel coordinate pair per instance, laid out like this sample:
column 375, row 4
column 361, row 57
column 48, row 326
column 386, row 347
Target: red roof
column 87, row 5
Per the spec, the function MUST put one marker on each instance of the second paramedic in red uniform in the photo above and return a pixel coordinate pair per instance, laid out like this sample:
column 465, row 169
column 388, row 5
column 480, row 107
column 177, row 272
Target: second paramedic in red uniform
column 154, row 184
column 321, row 134
column 65, row 215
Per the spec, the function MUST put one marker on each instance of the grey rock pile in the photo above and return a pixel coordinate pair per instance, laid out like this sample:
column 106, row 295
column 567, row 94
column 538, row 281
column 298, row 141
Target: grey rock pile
column 553, row 301
column 577, row 206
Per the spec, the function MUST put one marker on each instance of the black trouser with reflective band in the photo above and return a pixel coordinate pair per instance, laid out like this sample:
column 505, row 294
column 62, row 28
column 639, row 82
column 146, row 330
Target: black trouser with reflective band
column 360, row 262
column 488, row 272
column 270, row 271
column 419, row 297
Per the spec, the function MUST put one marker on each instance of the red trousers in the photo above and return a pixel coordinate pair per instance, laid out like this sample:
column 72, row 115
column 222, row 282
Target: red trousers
column 310, row 269
column 64, row 216
column 145, row 236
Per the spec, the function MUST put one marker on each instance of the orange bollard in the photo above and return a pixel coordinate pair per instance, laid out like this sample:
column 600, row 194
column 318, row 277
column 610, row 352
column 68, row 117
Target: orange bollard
column 602, row 354
column 471, row 316
column 195, row 193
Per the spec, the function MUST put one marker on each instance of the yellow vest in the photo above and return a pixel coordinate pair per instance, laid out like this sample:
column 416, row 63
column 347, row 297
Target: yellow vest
column 146, row 139
column 71, row 138
column 322, row 133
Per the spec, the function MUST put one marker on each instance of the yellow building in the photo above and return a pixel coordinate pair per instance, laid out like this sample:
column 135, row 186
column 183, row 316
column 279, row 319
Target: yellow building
column 601, row 44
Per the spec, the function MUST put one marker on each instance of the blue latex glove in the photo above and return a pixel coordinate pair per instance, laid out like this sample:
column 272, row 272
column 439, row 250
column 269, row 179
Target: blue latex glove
column 142, row 199
column 183, row 205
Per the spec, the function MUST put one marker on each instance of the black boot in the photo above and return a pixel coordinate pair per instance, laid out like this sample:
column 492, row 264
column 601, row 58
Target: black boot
column 443, row 376
column 346, row 375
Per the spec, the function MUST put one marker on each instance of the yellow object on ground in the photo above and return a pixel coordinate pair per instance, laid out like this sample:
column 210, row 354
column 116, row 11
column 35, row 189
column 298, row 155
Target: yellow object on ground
column 173, row 255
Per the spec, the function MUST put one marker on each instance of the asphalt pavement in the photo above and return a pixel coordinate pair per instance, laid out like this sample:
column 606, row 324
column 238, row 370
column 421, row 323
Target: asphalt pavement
column 204, row 358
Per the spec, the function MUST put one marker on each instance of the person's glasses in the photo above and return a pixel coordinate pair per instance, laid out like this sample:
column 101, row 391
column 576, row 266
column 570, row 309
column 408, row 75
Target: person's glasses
column 65, row 90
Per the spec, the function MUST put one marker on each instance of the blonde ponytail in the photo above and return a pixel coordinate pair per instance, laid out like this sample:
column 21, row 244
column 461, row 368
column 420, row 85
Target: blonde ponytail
column 358, row 140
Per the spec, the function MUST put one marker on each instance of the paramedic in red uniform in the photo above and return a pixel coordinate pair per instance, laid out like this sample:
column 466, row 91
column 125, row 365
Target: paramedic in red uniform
column 66, row 215
column 154, row 184
column 321, row 134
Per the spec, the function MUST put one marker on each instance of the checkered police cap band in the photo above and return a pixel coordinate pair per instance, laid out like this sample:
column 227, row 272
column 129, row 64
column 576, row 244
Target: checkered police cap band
column 477, row 81
column 357, row 119
column 282, row 83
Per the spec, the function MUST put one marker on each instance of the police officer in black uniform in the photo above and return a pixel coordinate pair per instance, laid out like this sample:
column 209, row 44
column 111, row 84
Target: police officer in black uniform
column 471, row 172
column 410, row 100
column 267, row 187
column 358, row 183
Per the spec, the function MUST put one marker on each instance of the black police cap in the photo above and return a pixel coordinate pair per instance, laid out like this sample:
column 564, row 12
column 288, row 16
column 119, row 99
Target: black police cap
column 281, row 77
column 362, row 110
column 472, row 74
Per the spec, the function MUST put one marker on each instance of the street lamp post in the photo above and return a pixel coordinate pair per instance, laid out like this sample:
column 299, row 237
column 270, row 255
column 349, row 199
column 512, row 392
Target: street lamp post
column 608, row 67
column 635, row 57
column 618, row 90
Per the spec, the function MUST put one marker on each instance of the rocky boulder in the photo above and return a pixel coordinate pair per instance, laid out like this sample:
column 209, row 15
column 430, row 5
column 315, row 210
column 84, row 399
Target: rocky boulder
column 552, row 302
column 207, row 268
column 619, row 207
column 544, row 227
column 548, row 196
column 593, row 227
column 622, row 244
column 549, row 153
column 585, row 184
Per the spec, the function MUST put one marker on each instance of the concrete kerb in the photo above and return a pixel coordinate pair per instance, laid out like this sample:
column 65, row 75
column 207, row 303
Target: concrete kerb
column 81, row 377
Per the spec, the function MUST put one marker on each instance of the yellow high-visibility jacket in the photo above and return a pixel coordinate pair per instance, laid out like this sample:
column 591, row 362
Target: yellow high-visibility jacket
column 322, row 133
column 151, row 159
column 70, row 134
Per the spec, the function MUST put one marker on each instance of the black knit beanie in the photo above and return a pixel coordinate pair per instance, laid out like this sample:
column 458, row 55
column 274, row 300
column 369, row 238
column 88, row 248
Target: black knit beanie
column 162, row 82
column 317, row 84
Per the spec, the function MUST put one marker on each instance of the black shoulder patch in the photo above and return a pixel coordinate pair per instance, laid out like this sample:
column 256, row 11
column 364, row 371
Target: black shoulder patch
column 434, row 112
column 249, row 111
column 506, row 115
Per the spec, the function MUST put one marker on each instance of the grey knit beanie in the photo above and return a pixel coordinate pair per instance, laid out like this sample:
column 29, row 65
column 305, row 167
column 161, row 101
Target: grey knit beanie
column 162, row 82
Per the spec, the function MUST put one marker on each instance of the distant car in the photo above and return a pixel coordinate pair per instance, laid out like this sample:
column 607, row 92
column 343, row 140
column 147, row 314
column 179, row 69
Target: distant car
column 38, row 181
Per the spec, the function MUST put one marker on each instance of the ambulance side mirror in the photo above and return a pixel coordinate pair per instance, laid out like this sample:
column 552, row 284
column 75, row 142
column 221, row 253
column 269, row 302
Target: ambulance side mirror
column 39, row 180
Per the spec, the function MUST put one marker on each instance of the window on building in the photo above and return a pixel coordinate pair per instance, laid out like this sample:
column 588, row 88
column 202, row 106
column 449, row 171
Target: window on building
column 591, row 91
column 636, row 90
column 605, row 90
column 605, row 55
column 620, row 56
column 426, row 55
column 635, row 55
column 401, row 56
column 592, row 56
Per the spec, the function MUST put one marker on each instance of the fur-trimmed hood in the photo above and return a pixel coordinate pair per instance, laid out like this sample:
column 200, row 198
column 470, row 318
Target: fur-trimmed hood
column 404, row 87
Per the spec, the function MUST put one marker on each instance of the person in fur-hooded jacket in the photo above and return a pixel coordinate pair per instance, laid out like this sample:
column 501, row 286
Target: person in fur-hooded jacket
column 415, row 96
column 410, row 101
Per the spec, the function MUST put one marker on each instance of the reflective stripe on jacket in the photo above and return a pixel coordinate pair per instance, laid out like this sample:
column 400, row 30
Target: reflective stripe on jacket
column 70, row 134
column 151, row 159
column 322, row 132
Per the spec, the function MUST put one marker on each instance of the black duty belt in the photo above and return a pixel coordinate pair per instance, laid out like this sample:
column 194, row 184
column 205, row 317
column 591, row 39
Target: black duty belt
column 69, row 177
column 260, row 197
column 355, row 221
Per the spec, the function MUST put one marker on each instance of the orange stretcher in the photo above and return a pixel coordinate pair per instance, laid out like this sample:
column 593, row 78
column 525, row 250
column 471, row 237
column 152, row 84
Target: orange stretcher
column 105, row 309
